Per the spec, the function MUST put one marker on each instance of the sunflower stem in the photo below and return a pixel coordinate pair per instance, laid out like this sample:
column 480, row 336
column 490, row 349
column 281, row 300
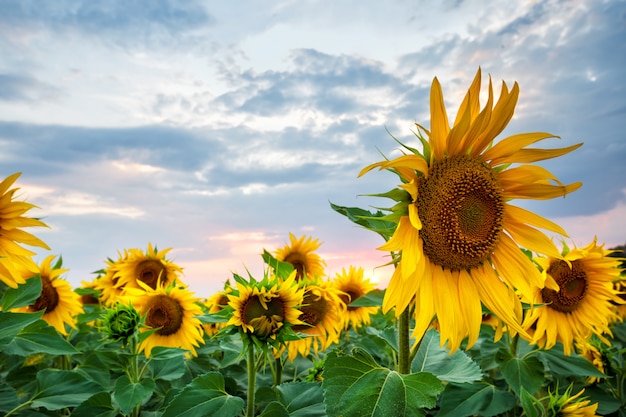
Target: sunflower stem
column 279, row 371
column 404, row 353
column 251, row 380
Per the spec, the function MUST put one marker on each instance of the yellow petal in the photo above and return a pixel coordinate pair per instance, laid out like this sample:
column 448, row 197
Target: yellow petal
column 439, row 126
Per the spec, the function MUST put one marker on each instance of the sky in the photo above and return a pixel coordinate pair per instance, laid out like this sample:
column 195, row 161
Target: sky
column 218, row 128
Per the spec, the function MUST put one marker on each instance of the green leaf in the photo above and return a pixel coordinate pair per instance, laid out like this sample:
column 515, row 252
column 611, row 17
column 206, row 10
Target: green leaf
column 24, row 295
column 39, row 337
column 169, row 369
column 375, row 222
column 526, row 372
column 274, row 409
column 129, row 394
column 281, row 269
column 373, row 298
column 354, row 385
column 98, row 405
column 572, row 365
column 58, row 389
column 12, row 323
column 204, row 396
column 8, row 398
column 462, row 400
column 433, row 358
column 302, row 399
column 532, row 406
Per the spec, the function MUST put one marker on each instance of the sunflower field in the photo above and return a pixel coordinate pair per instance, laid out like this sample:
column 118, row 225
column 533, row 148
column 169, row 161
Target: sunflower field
column 484, row 314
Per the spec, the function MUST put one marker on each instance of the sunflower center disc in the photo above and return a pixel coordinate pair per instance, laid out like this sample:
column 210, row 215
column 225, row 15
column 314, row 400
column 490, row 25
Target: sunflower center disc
column 313, row 309
column 572, row 286
column 461, row 207
column 298, row 262
column 265, row 321
column 48, row 299
column 166, row 313
column 349, row 296
column 149, row 271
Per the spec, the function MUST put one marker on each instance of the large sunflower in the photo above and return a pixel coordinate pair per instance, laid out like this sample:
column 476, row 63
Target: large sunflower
column 172, row 310
column 352, row 285
column 13, row 257
column 322, row 312
column 60, row 303
column 262, row 309
column 581, row 304
column 149, row 267
column 300, row 254
column 455, row 225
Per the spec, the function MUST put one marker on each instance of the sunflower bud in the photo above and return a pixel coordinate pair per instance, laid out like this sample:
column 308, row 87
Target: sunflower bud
column 121, row 323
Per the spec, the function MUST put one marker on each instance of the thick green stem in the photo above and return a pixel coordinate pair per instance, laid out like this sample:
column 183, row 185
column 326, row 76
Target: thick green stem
column 251, row 380
column 278, row 376
column 404, row 350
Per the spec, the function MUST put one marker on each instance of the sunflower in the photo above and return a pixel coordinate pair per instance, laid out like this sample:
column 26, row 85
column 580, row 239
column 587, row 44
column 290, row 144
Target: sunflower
column 13, row 257
column 148, row 267
column 216, row 303
column 107, row 283
column 263, row 308
column 581, row 304
column 59, row 302
column 352, row 285
column 455, row 225
column 591, row 350
column 567, row 405
column 172, row 310
column 299, row 253
column 322, row 311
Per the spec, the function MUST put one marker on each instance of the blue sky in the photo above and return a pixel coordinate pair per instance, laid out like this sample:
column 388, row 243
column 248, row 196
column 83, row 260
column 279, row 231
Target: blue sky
column 216, row 128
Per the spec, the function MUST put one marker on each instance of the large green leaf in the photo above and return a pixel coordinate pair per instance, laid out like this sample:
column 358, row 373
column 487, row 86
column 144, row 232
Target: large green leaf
column 98, row 405
column 433, row 358
column 355, row 385
column 204, row 396
column 462, row 400
column 302, row 399
column 526, row 372
column 167, row 363
column 275, row 409
column 57, row 389
column 25, row 294
column 8, row 398
column 130, row 394
column 39, row 337
column 12, row 323
column 563, row 365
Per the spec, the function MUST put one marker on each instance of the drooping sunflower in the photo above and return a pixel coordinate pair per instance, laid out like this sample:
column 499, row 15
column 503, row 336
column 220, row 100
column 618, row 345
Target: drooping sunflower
column 455, row 225
column 149, row 267
column 60, row 303
column 322, row 311
column 352, row 285
column 13, row 257
column 262, row 309
column 300, row 254
column 172, row 310
column 581, row 304
column 568, row 405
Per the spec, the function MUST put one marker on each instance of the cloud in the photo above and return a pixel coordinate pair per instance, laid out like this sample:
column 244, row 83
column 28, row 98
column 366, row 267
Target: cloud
column 22, row 87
